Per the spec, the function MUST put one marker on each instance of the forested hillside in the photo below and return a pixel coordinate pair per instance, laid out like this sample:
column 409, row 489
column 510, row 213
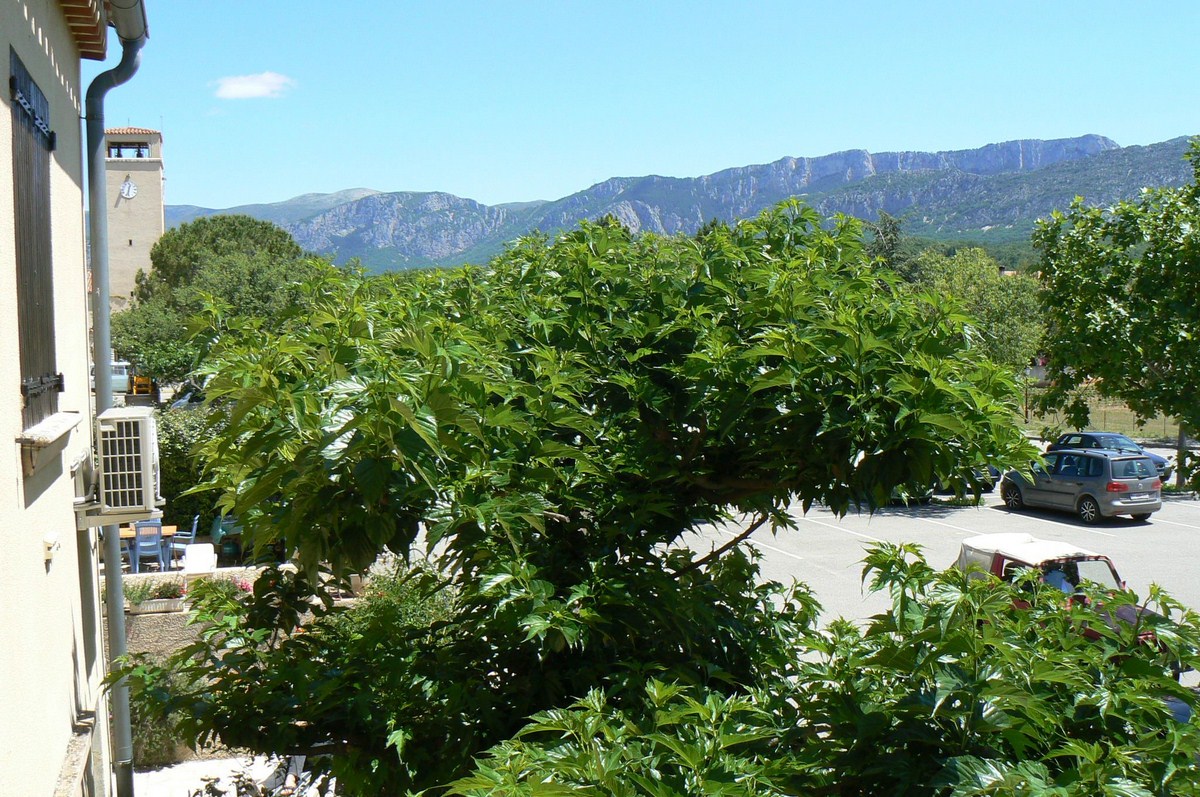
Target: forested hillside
column 991, row 195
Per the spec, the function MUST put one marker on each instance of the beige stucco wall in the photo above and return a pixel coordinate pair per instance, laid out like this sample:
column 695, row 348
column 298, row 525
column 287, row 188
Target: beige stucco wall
column 134, row 225
column 45, row 685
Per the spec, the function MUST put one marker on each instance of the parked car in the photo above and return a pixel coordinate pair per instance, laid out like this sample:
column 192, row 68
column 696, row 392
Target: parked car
column 1006, row 555
column 120, row 370
column 187, row 401
column 189, row 396
column 1114, row 442
column 120, row 377
column 985, row 478
column 987, row 475
column 1062, row 565
column 1095, row 483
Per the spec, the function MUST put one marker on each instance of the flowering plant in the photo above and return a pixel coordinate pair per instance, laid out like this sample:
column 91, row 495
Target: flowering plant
column 173, row 588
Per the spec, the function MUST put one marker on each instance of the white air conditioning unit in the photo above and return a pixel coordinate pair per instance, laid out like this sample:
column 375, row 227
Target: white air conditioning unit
column 128, row 474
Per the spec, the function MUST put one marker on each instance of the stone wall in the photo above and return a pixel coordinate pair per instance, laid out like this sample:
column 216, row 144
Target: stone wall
column 162, row 633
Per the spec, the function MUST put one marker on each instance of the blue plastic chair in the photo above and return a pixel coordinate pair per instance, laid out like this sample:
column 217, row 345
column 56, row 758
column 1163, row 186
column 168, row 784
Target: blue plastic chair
column 146, row 544
column 179, row 543
column 227, row 535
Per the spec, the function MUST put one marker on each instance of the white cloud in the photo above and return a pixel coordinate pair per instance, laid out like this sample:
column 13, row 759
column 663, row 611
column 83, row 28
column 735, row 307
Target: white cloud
column 247, row 87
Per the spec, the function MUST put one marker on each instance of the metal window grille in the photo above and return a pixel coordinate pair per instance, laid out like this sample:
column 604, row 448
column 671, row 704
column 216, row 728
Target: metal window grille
column 32, row 143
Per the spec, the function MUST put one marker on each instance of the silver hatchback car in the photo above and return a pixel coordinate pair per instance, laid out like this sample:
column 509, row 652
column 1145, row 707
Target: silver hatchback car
column 1092, row 483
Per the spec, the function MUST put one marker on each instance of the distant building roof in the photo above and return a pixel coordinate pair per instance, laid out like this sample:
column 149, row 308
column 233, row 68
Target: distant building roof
column 130, row 131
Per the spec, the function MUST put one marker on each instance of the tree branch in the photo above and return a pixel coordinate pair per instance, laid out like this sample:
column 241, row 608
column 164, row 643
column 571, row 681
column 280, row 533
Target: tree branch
column 696, row 565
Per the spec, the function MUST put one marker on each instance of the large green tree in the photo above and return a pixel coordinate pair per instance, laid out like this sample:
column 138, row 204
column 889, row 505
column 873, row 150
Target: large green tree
column 1120, row 298
column 552, row 427
column 179, row 256
column 242, row 262
column 652, row 382
column 887, row 243
column 1005, row 305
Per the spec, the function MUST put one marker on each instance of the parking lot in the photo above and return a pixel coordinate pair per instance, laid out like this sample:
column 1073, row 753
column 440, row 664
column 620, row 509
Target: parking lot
column 826, row 551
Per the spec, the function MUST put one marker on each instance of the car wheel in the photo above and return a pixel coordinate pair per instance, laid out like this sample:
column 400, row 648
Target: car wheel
column 1011, row 495
column 1141, row 517
column 1089, row 510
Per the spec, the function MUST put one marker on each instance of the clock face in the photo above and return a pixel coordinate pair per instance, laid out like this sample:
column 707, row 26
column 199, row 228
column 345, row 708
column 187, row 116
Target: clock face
column 128, row 189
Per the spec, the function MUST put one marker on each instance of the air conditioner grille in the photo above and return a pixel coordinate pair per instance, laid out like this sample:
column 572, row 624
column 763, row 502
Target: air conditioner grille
column 122, row 464
column 128, row 460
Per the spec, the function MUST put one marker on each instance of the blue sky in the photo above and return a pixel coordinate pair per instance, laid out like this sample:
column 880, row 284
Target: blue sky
column 263, row 100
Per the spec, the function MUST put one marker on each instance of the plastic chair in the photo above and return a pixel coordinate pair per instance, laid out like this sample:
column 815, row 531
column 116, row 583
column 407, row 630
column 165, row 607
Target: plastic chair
column 199, row 561
column 219, row 528
column 199, row 558
column 179, row 543
column 226, row 535
column 146, row 544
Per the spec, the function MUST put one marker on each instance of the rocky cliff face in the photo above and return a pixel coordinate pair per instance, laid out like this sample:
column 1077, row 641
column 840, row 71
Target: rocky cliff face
column 670, row 205
column 426, row 227
column 955, row 192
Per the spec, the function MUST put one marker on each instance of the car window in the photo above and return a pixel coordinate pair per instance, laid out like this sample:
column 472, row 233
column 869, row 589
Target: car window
column 1071, row 440
column 1097, row 571
column 1091, row 466
column 1141, row 468
column 1068, row 465
column 1117, row 442
column 1051, row 464
column 1055, row 576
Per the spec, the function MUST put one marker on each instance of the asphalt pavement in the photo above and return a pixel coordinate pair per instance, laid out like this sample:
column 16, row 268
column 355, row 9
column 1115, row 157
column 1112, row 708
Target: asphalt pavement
column 826, row 551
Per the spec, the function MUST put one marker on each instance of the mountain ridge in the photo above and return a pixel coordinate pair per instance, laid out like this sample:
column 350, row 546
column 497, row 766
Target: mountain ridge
column 976, row 192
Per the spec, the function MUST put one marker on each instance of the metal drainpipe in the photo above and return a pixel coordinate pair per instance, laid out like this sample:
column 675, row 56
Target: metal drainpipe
column 126, row 17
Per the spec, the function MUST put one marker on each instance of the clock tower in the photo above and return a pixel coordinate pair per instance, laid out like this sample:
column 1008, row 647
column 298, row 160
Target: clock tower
column 134, row 180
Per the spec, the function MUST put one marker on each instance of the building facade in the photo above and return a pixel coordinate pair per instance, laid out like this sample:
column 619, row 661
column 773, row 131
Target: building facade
column 53, row 720
column 133, row 168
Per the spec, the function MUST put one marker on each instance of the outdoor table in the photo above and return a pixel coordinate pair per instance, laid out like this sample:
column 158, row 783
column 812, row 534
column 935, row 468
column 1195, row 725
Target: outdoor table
column 167, row 531
column 127, row 533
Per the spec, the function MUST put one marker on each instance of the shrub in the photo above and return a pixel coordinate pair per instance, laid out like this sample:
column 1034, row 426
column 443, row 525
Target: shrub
column 140, row 590
column 155, row 741
column 178, row 432
column 168, row 588
column 954, row 692
column 136, row 591
column 228, row 587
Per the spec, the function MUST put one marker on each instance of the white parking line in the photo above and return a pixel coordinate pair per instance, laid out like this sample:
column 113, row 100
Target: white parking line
column 789, row 554
column 1174, row 523
column 968, row 532
column 1064, row 525
column 839, row 528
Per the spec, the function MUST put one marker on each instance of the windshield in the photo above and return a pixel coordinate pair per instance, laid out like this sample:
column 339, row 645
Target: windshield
column 1067, row 576
column 1097, row 571
column 1118, row 442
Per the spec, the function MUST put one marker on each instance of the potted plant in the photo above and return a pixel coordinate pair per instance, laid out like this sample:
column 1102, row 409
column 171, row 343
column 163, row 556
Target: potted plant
column 155, row 596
